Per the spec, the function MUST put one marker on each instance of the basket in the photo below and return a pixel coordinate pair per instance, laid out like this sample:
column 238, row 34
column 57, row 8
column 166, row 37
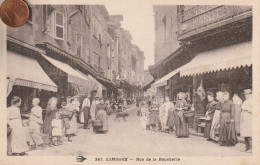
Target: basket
column 97, row 123
column 188, row 114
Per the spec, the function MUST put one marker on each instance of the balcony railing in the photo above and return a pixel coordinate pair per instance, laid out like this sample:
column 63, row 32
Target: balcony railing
column 203, row 16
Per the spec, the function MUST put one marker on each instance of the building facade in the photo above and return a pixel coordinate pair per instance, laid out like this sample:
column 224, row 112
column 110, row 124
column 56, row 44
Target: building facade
column 166, row 42
column 215, row 54
column 76, row 49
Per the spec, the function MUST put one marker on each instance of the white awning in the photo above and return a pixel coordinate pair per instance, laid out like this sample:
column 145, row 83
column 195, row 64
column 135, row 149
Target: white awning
column 163, row 81
column 239, row 55
column 26, row 71
column 73, row 75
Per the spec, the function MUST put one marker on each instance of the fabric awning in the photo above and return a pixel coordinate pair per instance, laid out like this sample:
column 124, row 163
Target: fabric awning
column 73, row 75
column 163, row 81
column 239, row 55
column 27, row 72
column 92, row 83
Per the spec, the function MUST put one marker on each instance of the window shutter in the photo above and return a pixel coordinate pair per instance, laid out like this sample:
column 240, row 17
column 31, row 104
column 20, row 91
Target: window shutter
column 59, row 26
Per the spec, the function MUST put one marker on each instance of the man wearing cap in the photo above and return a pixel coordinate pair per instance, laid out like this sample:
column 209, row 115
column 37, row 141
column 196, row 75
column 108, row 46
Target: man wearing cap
column 211, row 107
column 246, row 120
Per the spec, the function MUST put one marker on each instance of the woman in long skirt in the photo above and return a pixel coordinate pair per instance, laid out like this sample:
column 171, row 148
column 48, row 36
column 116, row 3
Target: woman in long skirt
column 227, row 135
column 102, row 115
column 182, row 126
column 18, row 138
column 154, row 116
column 216, row 118
column 211, row 107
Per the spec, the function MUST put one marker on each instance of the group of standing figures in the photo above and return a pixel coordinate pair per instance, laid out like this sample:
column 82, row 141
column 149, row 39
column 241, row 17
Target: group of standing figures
column 57, row 123
column 167, row 117
column 223, row 123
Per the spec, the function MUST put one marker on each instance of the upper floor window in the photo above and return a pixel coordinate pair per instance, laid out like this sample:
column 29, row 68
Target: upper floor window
column 58, row 25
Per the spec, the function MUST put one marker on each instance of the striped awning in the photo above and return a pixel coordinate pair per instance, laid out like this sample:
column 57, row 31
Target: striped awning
column 26, row 71
column 239, row 55
column 73, row 75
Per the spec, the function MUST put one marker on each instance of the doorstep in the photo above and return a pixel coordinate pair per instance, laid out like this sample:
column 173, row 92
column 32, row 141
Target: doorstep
column 193, row 132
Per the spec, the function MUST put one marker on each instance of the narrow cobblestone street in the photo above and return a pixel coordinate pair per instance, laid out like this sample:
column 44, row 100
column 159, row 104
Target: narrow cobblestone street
column 127, row 139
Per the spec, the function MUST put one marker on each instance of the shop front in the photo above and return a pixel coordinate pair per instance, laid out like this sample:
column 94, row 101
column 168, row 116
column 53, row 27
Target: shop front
column 27, row 79
column 224, row 69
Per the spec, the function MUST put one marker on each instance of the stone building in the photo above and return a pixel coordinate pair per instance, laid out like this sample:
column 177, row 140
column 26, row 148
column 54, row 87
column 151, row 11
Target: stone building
column 166, row 42
column 73, row 47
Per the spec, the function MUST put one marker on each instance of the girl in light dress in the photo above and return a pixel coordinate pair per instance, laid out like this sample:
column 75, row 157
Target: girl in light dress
column 56, row 129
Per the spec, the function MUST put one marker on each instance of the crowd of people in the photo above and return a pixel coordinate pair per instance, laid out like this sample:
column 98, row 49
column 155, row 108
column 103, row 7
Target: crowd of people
column 25, row 135
column 165, row 116
column 225, row 119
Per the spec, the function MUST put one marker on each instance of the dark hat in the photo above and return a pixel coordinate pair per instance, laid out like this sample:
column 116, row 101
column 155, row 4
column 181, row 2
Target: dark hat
column 210, row 93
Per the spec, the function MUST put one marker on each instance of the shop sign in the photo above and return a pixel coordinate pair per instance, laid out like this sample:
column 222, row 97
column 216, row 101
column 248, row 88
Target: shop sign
column 202, row 16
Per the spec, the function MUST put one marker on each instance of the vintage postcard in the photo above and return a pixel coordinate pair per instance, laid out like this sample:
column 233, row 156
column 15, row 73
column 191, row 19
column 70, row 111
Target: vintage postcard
column 129, row 82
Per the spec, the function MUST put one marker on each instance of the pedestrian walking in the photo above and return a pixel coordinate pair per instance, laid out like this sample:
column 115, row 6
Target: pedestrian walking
column 101, row 116
column 237, row 110
column 14, row 120
column 211, row 107
column 86, row 111
column 35, row 123
column 182, row 127
column 227, row 134
column 246, row 120
column 215, row 126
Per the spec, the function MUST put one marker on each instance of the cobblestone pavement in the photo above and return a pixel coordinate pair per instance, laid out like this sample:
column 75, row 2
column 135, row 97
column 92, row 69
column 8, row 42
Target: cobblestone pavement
column 127, row 139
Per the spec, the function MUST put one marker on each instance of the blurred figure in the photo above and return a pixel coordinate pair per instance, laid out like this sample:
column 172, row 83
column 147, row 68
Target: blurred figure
column 246, row 120
column 56, row 129
column 169, row 115
column 237, row 106
column 36, row 123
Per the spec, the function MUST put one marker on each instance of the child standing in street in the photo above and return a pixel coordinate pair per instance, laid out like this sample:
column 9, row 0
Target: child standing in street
column 56, row 129
column 143, row 120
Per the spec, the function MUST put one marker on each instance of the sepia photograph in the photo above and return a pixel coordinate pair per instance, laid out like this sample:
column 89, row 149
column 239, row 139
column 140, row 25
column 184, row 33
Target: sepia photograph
column 128, row 82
